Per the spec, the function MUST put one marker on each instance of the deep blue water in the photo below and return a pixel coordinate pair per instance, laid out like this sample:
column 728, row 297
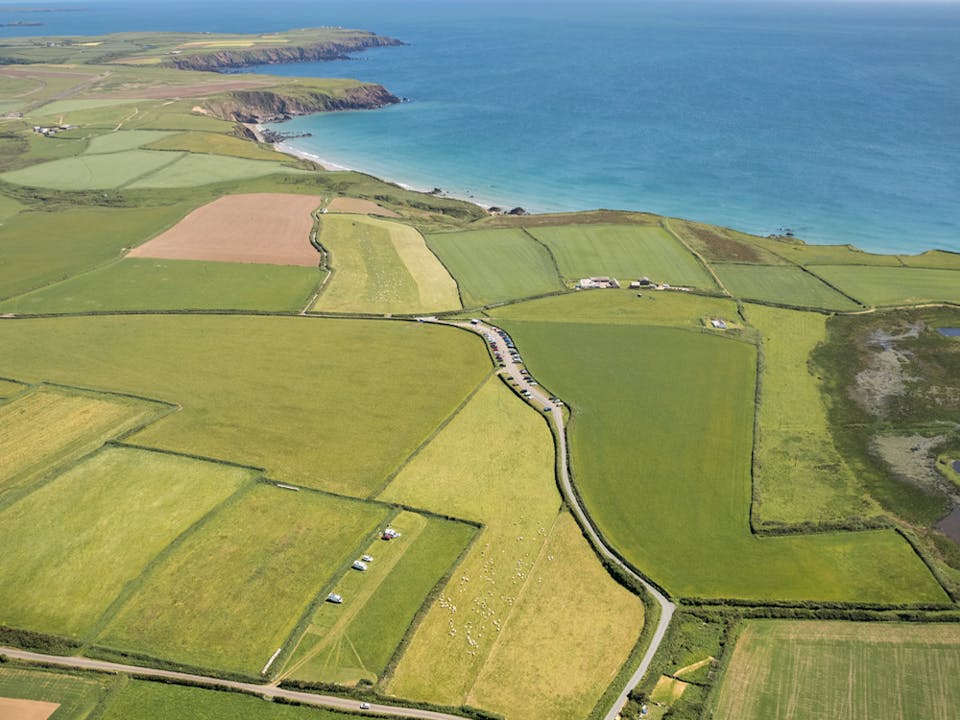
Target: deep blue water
column 839, row 121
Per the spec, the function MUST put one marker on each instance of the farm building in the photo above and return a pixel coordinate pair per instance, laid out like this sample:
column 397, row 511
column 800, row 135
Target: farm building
column 602, row 281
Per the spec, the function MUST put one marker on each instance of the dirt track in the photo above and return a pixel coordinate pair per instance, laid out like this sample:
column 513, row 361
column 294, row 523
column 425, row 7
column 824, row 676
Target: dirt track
column 267, row 691
column 266, row 228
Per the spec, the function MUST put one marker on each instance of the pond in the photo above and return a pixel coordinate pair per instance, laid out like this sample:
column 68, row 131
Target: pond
column 949, row 332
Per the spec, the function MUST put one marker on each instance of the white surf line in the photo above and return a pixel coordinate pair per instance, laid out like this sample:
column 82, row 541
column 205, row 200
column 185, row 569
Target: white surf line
column 351, row 705
column 539, row 399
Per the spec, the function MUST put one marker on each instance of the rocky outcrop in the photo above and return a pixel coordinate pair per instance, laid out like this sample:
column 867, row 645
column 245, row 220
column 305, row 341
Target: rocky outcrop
column 247, row 57
column 275, row 105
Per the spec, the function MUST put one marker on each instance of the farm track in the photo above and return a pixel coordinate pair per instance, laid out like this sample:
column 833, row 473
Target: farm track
column 540, row 400
column 265, row 691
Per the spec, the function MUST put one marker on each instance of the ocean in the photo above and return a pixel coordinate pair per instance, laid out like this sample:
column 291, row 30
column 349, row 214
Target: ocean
column 836, row 120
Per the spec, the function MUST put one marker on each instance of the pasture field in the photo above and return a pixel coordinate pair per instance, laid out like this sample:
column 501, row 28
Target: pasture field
column 894, row 286
column 8, row 207
column 358, row 206
column 493, row 266
column 932, row 259
column 9, row 388
column 232, row 592
column 492, row 610
column 801, row 253
column 217, row 144
column 78, row 695
column 95, row 172
column 192, row 169
column 49, row 426
column 799, row 474
column 76, row 542
column 565, row 580
column 44, row 247
column 353, row 641
column 782, row 284
column 124, row 140
column 313, row 400
column 142, row 700
column 623, row 307
column 267, row 228
column 664, row 469
column 381, row 266
column 786, row 670
column 622, row 251
column 65, row 107
column 154, row 284
column 722, row 244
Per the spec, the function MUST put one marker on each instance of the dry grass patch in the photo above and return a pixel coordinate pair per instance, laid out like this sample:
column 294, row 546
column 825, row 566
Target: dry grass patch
column 571, row 629
column 269, row 228
column 51, row 425
column 359, row 206
column 529, row 593
column 382, row 267
column 845, row 670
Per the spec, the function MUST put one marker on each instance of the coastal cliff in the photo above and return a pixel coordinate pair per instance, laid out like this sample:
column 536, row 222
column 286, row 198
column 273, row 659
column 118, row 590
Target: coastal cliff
column 278, row 104
column 274, row 55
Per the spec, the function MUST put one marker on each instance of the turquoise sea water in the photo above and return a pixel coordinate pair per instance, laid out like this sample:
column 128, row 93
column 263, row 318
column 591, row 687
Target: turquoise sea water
column 839, row 121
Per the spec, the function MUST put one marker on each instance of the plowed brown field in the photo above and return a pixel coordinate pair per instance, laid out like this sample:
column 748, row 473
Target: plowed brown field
column 266, row 228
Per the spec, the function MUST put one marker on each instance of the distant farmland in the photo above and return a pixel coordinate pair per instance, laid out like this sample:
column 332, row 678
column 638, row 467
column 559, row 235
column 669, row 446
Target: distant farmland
column 787, row 670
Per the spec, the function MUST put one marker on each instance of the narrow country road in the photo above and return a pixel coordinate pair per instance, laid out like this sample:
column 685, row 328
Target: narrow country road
column 515, row 371
column 267, row 691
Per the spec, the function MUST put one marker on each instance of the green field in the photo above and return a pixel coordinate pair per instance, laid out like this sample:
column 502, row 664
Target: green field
column 895, row 285
column 787, row 670
column 77, row 695
column 496, row 265
column 191, row 170
column 49, row 426
column 941, row 259
column 664, row 469
column 154, row 284
column 513, row 601
column 353, row 641
column 381, row 267
column 232, row 592
column 799, row 474
column 80, row 539
column 315, row 401
column 781, row 284
column 43, row 247
column 627, row 252
column 140, row 700
column 217, row 144
column 624, row 307
column 124, row 140
column 9, row 388
column 97, row 172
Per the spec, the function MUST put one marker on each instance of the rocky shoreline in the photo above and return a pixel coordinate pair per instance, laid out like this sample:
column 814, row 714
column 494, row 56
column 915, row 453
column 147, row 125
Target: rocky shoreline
column 247, row 57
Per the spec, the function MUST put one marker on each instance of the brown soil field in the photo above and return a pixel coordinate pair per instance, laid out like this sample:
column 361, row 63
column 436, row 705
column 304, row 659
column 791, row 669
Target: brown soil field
column 265, row 228
column 359, row 207
column 16, row 709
